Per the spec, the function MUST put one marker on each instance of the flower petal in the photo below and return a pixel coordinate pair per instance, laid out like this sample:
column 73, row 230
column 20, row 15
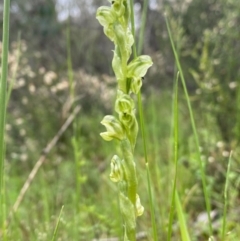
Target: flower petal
column 139, row 66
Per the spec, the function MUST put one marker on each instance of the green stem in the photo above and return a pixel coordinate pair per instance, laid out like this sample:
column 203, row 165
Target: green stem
column 143, row 24
column 130, row 170
column 13, row 80
column 57, row 225
column 3, row 100
column 143, row 134
column 133, row 28
column 69, row 62
column 175, row 123
column 203, row 176
column 226, row 198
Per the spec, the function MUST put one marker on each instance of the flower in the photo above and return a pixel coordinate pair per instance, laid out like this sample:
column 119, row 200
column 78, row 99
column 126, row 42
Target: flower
column 114, row 128
column 116, row 174
column 136, row 70
column 124, row 103
column 106, row 17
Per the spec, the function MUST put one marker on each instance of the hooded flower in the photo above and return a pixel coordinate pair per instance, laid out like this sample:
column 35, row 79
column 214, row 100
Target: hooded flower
column 124, row 106
column 106, row 17
column 116, row 174
column 137, row 69
column 114, row 128
column 124, row 103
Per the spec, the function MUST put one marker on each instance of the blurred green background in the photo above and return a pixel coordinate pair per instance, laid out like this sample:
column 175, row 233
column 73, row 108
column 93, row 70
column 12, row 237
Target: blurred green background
column 52, row 40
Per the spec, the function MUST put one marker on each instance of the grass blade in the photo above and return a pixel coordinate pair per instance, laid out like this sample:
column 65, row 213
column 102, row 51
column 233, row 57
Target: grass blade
column 57, row 225
column 13, row 80
column 153, row 219
column 226, row 198
column 3, row 101
column 175, row 124
column 143, row 24
column 181, row 219
column 203, row 176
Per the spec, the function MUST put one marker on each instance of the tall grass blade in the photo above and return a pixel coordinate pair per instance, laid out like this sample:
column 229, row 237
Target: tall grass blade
column 57, row 225
column 175, row 124
column 142, row 27
column 69, row 62
column 3, row 101
column 13, row 80
column 133, row 28
column 153, row 219
column 203, row 176
column 181, row 219
column 226, row 198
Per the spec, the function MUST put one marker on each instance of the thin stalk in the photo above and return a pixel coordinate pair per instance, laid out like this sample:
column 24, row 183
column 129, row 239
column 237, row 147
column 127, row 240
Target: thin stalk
column 13, row 80
column 203, row 176
column 238, row 111
column 182, row 222
column 226, row 198
column 158, row 172
column 75, row 141
column 57, row 225
column 69, row 63
column 143, row 25
column 153, row 219
column 3, row 101
column 175, row 124
column 133, row 28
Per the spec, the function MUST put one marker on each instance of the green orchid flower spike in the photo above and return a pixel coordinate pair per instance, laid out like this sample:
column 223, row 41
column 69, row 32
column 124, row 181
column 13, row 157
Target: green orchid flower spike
column 124, row 129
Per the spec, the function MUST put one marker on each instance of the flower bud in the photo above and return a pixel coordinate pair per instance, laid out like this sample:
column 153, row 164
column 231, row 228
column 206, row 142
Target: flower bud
column 139, row 207
column 116, row 174
column 114, row 128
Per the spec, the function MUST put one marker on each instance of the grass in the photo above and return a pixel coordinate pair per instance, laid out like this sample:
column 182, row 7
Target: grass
column 140, row 109
column 98, row 210
column 226, row 198
column 3, row 101
column 196, row 138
